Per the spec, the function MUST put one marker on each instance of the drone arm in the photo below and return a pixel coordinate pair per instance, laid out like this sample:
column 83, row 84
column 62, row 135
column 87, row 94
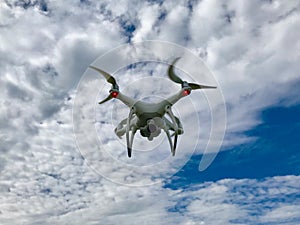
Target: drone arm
column 176, row 97
column 125, row 99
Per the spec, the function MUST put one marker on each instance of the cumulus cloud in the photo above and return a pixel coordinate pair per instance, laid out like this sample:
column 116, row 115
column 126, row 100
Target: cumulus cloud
column 45, row 47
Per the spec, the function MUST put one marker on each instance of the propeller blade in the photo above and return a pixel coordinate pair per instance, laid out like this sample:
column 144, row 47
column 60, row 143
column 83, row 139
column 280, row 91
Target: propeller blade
column 108, row 77
column 106, row 99
column 198, row 86
column 178, row 80
column 171, row 73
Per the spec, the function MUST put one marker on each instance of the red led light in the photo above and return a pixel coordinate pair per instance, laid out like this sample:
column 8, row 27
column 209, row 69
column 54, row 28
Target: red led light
column 186, row 92
column 114, row 94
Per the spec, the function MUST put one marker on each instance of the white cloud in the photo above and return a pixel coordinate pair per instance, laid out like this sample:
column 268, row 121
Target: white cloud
column 174, row 28
column 87, row 199
column 147, row 17
column 283, row 214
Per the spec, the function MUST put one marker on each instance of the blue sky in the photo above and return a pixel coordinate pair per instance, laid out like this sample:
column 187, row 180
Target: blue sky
column 252, row 48
column 274, row 152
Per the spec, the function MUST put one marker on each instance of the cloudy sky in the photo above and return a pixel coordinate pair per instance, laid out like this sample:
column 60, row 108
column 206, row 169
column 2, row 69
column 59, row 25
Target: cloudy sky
column 253, row 51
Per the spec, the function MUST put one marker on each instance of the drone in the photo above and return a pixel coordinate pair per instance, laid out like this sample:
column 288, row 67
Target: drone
column 150, row 118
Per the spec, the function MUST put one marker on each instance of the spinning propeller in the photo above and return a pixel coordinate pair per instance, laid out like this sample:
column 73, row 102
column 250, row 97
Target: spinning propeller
column 114, row 91
column 187, row 86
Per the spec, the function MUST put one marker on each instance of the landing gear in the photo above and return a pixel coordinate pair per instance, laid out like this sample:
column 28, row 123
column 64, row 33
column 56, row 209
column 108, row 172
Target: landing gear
column 129, row 140
column 172, row 144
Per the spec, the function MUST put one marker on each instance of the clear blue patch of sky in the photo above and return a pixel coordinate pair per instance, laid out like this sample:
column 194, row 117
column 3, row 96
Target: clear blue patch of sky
column 128, row 28
column 276, row 152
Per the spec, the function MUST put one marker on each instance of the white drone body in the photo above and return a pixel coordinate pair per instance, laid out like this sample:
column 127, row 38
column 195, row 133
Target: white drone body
column 150, row 118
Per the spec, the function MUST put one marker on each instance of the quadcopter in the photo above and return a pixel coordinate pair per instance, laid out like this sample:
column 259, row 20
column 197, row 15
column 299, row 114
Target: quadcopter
column 150, row 118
